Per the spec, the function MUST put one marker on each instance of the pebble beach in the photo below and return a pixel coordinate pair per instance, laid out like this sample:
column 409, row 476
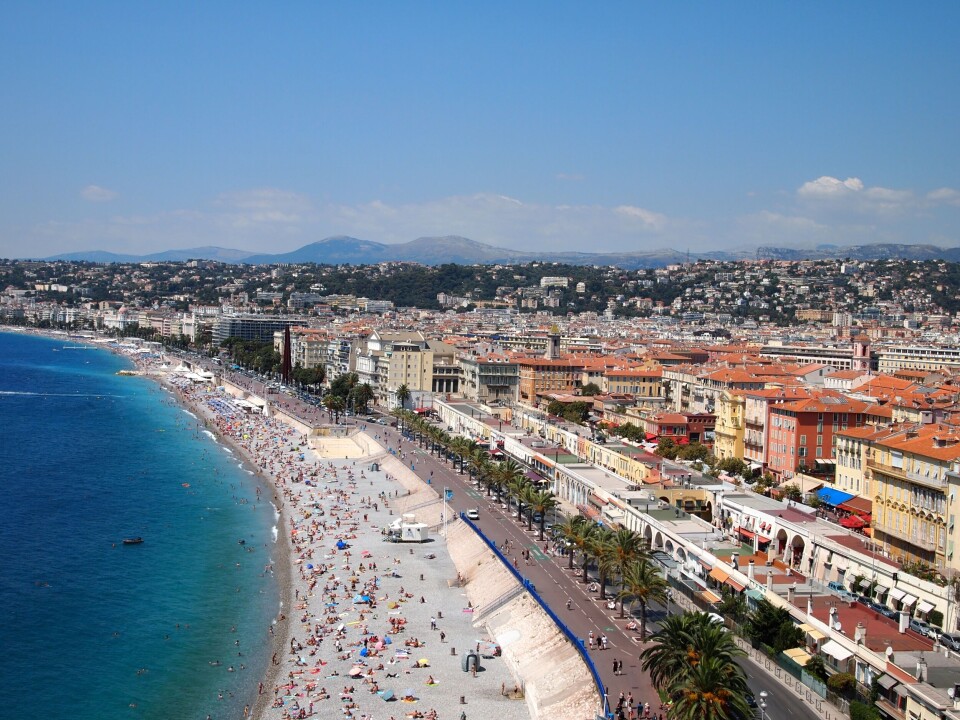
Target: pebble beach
column 369, row 629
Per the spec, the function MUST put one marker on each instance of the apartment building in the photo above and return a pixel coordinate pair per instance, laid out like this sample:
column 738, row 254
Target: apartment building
column 801, row 432
column 916, row 475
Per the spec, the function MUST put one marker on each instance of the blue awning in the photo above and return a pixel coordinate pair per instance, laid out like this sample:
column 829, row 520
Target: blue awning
column 833, row 497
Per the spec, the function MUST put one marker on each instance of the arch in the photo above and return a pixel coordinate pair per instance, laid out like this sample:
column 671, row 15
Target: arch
column 781, row 540
column 658, row 541
column 681, row 554
column 669, row 547
column 797, row 546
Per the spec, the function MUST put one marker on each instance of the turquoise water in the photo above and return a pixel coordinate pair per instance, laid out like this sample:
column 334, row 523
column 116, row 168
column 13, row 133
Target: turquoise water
column 89, row 627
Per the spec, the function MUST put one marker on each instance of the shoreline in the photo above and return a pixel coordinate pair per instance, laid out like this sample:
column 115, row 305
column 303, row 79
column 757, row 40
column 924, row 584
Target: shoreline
column 282, row 551
column 275, row 451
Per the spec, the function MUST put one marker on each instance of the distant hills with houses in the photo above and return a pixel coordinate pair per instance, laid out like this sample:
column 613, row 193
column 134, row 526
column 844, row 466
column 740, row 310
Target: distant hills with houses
column 344, row 250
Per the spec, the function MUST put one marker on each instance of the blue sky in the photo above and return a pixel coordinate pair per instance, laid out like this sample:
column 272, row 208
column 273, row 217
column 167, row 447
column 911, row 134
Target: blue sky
column 139, row 127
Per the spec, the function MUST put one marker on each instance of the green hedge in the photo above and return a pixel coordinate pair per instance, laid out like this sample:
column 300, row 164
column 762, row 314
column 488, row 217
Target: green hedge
column 861, row 711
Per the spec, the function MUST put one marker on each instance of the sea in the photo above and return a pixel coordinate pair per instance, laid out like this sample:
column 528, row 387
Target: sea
column 91, row 628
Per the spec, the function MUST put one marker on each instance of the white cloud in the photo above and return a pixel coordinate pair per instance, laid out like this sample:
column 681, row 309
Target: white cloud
column 827, row 186
column 853, row 195
column 95, row 193
column 944, row 196
column 648, row 218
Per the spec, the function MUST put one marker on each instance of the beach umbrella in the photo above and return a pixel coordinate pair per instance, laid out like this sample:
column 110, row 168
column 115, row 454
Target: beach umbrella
column 388, row 641
column 364, row 652
column 386, row 695
column 309, row 566
column 408, row 693
column 423, row 662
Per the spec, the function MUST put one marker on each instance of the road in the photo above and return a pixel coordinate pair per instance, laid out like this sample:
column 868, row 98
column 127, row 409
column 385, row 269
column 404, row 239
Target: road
column 554, row 581
column 556, row 584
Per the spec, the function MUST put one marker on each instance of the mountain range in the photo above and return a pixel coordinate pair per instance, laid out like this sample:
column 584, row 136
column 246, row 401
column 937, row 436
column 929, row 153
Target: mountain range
column 343, row 250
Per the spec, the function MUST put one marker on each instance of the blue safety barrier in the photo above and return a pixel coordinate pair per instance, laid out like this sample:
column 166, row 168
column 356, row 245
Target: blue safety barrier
column 531, row 588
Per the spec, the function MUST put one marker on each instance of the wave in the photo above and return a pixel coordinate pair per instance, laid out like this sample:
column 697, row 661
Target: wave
column 273, row 533
column 189, row 413
column 72, row 395
column 210, row 435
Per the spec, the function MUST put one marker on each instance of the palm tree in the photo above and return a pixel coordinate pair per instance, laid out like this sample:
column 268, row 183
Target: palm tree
column 335, row 405
column 543, row 501
column 711, row 690
column 529, row 495
column 626, row 546
column 581, row 540
column 403, row 394
column 362, row 395
column 570, row 531
column 643, row 583
column 517, row 487
column 600, row 550
column 694, row 659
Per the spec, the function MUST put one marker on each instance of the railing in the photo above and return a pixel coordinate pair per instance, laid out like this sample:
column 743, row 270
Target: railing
column 887, row 469
column 530, row 588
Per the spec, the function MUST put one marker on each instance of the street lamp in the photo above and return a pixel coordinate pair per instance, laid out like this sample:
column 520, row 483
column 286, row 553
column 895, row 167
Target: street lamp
column 763, row 704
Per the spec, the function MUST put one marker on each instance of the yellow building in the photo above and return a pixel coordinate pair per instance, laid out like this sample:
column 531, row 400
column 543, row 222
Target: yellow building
column 914, row 472
column 729, row 429
column 641, row 382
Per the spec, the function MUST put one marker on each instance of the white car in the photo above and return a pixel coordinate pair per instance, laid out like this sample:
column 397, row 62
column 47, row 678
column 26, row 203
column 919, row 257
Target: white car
column 473, row 514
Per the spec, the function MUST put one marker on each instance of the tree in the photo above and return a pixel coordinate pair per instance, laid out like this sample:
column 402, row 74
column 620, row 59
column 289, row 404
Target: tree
column 541, row 503
column 643, row 583
column 792, row 492
column 403, row 394
column 362, row 394
column 666, row 448
column 600, row 549
column 335, row 405
column 815, row 667
column 683, row 643
column 773, row 626
column 590, row 389
column 713, row 689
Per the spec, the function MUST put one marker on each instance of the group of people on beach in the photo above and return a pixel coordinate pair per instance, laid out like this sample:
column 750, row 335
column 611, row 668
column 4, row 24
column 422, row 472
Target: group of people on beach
column 339, row 629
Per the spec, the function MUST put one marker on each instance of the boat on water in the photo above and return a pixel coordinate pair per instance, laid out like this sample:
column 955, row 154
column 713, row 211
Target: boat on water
column 132, row 541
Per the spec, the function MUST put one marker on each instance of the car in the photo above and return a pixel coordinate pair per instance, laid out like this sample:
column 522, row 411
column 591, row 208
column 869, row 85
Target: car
column 951, row 641
column 920, row 626
column 537, row 517
column 473, row 514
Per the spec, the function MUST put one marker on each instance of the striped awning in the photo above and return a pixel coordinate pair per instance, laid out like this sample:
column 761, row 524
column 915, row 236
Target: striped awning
column 896, row 594
column 924, row 607
column 907, row 601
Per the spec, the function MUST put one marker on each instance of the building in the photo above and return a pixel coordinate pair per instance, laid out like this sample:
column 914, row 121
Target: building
column 801, row 432
column 539, row 376
column 489, row 379
column 916, row 476
column 252, row 327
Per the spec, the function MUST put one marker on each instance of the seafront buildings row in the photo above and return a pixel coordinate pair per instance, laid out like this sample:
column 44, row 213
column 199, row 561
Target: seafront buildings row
column 846, row 422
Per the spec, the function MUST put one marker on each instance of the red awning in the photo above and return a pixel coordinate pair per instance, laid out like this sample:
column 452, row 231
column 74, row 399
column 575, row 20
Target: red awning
column 589, row 512
column 735, row 585
column 854, row 522
column 746, row 533
column 763, row 539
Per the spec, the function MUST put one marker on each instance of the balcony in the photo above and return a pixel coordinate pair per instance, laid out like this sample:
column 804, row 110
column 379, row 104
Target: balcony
column 932, row 482
column 888, row 470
